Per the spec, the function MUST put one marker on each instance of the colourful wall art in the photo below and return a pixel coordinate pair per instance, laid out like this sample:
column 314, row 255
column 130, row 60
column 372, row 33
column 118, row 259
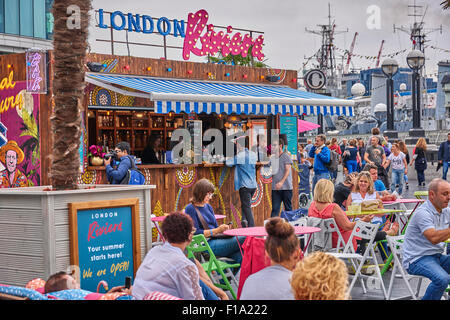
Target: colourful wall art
column 20, row 160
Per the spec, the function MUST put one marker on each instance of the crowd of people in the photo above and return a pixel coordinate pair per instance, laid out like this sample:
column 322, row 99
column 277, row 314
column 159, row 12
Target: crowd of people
column 318, row 275
column 391, row 159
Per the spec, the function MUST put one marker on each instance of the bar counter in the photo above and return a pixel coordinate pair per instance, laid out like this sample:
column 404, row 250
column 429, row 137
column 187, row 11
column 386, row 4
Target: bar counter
column 174, row 181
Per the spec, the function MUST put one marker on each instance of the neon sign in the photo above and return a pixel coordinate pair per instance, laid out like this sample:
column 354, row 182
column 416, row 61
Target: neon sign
column 36, row 71
column 200, row 38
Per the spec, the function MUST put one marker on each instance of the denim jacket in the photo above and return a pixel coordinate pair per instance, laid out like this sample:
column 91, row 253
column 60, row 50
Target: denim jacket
column 115, row 176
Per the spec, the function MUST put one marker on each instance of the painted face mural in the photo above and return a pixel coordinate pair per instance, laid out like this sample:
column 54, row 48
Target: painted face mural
column 11, row 161
column 11, row 156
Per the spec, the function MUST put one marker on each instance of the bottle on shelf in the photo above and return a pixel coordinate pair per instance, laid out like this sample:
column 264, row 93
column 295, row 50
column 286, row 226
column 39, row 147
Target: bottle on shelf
column 144, row 140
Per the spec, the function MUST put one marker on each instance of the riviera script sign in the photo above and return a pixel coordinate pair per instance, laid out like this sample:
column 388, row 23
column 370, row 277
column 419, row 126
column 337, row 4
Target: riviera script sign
column 200, row 38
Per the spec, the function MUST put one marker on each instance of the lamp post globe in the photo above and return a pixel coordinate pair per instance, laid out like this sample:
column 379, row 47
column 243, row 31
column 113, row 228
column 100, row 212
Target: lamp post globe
column 415, row 60
column 358, row 89
column 389, row 67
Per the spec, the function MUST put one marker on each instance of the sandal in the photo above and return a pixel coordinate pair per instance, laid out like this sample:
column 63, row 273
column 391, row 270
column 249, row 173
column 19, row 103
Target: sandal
column 387, row 226
column 395, row 228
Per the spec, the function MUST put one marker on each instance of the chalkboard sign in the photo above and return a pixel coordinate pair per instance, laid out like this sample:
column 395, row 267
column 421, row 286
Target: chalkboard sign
column 195, row 130
column 288, row 126
column 104, row 241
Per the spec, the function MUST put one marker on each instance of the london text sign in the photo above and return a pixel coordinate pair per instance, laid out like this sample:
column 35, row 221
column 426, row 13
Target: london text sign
column 200, row 38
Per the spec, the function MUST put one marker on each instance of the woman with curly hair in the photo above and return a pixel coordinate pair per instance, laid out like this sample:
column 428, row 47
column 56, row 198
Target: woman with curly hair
column 166, row 268
column 272, row 282
column 320, row 276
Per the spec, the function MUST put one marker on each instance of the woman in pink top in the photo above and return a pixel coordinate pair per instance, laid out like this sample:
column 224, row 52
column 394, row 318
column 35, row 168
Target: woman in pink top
column 324, row 208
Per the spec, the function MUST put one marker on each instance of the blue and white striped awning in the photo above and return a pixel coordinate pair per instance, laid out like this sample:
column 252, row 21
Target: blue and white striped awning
column 174, row 95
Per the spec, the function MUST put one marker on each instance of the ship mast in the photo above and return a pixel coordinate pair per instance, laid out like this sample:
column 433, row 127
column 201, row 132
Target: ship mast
column 417, row 33
column 326, row 54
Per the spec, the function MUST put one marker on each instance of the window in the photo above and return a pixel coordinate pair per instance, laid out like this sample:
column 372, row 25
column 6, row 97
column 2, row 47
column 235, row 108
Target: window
column 2, row 16
column 39, row 19
column 12, row 16
column 29, row 18
column 26, row 18
column 49, row 18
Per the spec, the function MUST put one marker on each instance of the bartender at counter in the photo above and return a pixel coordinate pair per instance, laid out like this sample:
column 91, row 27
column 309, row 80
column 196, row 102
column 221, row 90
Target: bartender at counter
column 149, row 154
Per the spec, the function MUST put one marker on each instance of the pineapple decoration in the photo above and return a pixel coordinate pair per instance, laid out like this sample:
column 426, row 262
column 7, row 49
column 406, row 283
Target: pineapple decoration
column 157, row 211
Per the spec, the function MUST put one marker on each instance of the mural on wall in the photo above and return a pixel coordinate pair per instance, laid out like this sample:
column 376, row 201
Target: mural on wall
column 20, row 160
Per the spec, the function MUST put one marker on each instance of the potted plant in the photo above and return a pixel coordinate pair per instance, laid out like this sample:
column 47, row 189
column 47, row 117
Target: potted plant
column 96, row 155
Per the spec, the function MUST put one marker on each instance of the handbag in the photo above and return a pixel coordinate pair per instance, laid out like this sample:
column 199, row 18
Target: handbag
column 370, row 205
column 205, row 226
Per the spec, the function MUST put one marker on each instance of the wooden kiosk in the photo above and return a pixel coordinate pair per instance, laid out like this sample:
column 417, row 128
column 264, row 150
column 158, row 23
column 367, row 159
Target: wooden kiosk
column 114, row 112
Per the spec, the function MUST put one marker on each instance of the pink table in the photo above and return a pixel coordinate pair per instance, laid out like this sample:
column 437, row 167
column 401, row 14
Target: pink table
column 161, row 219
column 261, row 232
column 403, row 201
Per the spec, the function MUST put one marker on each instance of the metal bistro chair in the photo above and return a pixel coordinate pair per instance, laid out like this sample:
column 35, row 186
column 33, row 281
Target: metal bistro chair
column 365, row 231
column 216, row 269
column 396, row 243
column 329, row 226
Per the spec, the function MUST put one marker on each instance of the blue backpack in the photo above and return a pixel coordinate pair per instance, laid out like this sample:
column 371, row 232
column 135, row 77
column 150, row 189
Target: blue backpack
column 133, row 175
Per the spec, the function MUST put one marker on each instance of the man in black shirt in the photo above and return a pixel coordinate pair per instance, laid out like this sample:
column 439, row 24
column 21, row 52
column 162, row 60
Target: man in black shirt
column 343, row 189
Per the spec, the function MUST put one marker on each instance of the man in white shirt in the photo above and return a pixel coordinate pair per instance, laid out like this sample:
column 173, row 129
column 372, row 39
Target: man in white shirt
column 426, row 233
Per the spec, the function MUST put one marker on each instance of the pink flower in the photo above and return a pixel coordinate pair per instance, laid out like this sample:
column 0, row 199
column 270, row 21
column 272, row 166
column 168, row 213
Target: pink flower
column 96, row 151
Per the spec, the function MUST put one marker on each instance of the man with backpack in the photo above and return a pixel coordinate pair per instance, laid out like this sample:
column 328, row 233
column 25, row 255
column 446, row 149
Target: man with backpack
column 322, row 158
column 125, row 172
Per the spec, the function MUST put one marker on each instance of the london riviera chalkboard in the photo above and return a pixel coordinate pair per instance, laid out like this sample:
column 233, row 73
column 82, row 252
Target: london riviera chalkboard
column 104, row 241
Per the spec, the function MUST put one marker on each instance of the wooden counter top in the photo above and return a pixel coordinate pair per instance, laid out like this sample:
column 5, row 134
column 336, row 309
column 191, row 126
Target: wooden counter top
column 169, row 166
column 163, row 166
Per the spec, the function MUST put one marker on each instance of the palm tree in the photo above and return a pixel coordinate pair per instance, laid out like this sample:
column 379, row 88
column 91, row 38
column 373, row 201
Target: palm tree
column 238, row 60
column 69, row 45
column 445, row 4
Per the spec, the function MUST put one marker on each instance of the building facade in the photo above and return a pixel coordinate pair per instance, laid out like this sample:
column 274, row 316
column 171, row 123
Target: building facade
column 25, row 24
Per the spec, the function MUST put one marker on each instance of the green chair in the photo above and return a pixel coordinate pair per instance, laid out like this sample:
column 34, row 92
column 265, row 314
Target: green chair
column 421, row 194
column 217, row 270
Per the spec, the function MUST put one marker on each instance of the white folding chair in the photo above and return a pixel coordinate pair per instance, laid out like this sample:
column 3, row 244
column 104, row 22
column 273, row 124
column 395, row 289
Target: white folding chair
column 366, row 231
column 328, row 226
column 331, row 226
column 302, row 222
column 396, row 243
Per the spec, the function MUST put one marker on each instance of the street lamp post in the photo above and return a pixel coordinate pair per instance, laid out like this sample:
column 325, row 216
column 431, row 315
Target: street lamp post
column 390, row 68
column 415, row 60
